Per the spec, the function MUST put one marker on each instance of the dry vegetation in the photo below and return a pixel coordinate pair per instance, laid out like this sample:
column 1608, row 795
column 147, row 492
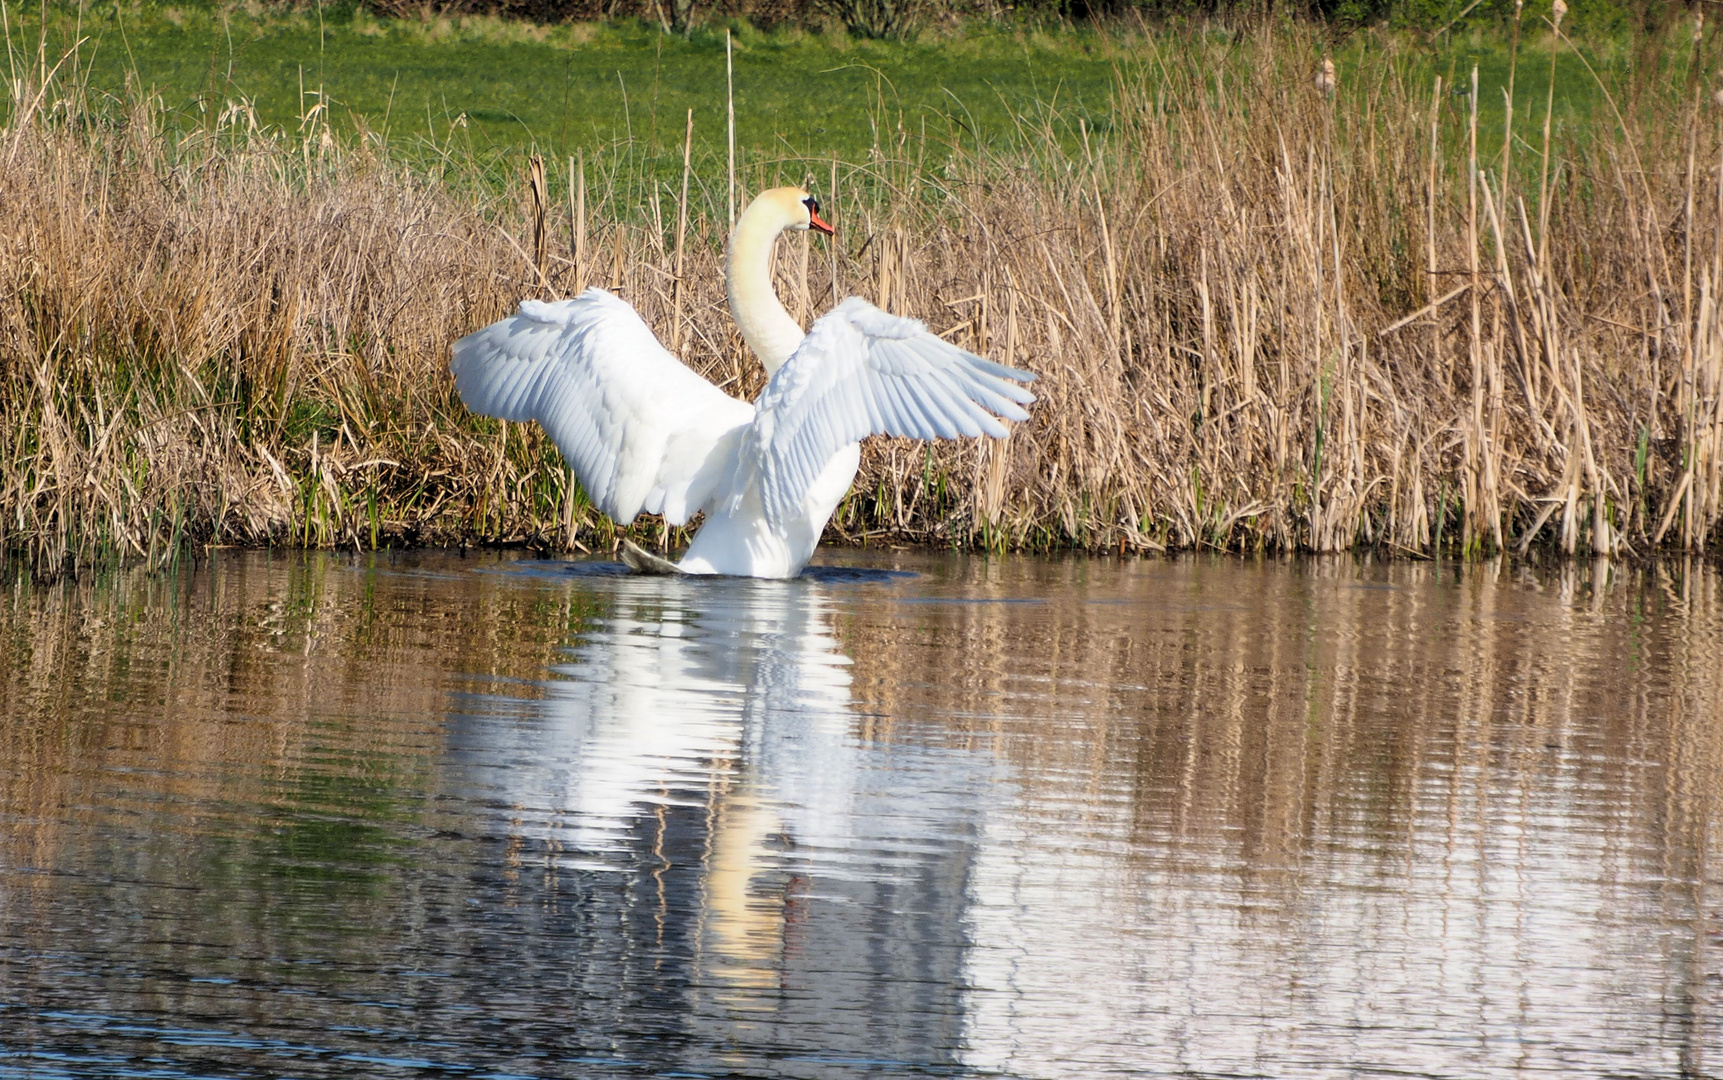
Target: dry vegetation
column 1265, row 317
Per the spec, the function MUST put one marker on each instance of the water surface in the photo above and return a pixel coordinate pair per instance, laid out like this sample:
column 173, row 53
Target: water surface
column 424, row 815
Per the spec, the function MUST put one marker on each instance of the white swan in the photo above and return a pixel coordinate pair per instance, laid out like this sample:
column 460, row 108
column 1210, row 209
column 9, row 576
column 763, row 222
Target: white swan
column 643, row 432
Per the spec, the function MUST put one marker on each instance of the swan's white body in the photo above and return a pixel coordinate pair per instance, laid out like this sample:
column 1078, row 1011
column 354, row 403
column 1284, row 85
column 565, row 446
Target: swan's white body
column 643, row 432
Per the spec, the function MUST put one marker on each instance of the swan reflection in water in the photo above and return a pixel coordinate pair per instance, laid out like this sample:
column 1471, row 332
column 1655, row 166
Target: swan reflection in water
column 746, row 868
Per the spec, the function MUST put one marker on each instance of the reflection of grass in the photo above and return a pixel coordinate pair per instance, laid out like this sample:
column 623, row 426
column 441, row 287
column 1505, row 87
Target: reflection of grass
column 334, row 826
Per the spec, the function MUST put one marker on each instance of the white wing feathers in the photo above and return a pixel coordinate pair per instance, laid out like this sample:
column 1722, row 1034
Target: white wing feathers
column 635, row 424
column 861, row 372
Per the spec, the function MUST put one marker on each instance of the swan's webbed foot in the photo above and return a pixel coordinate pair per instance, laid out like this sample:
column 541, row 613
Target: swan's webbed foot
column 641, row 561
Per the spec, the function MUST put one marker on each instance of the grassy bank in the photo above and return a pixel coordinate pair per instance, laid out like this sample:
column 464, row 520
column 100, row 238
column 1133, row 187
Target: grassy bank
column 1265, row 317
column 486, row 87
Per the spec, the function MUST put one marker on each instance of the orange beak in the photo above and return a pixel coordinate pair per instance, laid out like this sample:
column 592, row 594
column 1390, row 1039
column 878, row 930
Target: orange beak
column 819, row 224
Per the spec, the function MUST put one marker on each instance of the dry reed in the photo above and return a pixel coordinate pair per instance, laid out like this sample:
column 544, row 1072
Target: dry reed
column 1268, row 314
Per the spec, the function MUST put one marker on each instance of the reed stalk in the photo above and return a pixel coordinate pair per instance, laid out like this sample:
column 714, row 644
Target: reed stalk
column 540, row 206
column 730, row 123
column 679, row 283
column 577, row 218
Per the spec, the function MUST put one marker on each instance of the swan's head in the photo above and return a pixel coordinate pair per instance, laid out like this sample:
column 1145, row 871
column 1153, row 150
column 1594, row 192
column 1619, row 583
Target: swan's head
column 789, row 208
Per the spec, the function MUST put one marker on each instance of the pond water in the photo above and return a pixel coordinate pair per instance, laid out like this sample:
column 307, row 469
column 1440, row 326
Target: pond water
column 425, row 815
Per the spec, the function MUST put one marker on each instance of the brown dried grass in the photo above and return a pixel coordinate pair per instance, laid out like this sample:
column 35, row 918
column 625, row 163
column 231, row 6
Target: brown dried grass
column 1266, row 317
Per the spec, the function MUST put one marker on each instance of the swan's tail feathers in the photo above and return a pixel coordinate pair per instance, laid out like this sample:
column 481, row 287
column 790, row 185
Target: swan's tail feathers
column 641, row 561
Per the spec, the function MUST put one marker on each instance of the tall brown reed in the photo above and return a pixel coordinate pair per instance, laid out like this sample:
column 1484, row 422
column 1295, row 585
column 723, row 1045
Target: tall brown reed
column 1265, row 316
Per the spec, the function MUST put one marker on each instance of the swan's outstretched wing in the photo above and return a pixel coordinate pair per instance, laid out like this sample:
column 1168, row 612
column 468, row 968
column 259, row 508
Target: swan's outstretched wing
column 862, row 372
column 637, row 426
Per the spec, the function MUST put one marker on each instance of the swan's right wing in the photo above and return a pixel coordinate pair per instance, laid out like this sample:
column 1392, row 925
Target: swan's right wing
column 636, row 425
column 861, row 372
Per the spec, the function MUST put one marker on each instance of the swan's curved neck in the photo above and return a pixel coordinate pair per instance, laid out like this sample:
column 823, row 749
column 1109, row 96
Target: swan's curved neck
column 766, row 326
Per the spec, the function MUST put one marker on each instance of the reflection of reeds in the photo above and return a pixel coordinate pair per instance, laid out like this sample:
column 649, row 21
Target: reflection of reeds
column 225, row 681
column 1325, row 704
column 254, row 721
column 1266, row 316
column 1243, row 710
column 1200, row 728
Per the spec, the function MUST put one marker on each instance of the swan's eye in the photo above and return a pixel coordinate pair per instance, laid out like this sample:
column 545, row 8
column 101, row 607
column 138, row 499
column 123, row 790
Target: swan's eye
column 812, row 204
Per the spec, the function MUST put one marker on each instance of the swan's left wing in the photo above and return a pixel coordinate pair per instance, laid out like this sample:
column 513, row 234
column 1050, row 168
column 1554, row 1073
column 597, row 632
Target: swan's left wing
column 637, row 425
column 861, row 372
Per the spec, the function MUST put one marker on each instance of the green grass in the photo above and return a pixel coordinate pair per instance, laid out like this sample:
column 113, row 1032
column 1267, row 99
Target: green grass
column 1577, row 93
column 503, row 86
column 493, row 88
